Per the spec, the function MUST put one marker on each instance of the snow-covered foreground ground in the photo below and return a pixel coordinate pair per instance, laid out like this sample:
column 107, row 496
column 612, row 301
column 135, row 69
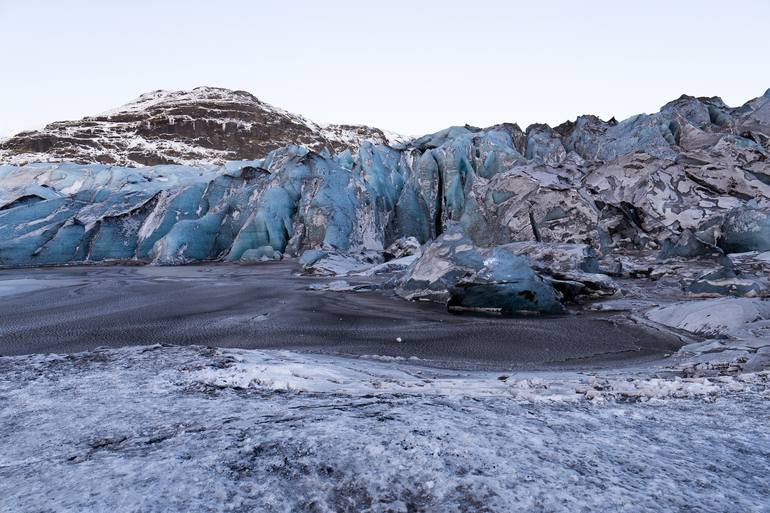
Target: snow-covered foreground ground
column 191, row 429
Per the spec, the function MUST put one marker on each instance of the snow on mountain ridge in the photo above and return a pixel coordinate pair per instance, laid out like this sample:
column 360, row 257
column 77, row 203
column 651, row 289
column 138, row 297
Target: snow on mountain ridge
column 206, row 125
column 160, row 96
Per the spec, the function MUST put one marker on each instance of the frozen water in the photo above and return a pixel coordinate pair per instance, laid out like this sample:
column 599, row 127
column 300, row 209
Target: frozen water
column 192, row 429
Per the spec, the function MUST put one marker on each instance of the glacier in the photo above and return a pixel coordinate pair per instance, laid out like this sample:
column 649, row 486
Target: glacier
column 691, row 181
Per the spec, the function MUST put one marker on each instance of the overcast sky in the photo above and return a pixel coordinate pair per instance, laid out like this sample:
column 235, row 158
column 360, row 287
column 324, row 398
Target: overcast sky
column 409, row 66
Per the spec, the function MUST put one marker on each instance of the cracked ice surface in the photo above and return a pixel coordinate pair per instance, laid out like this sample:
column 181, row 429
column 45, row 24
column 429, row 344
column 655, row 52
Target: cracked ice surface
column 193, row 429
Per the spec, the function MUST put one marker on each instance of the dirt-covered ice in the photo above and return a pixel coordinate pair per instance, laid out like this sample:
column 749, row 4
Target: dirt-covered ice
column 162, row 429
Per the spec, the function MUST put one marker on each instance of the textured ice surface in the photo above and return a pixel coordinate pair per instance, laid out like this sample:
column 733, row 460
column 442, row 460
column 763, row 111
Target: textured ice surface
column 191, row 429
column 712, row 317
column 637, row 184
column 737, row 332
column 452, row 268
column 747, row 229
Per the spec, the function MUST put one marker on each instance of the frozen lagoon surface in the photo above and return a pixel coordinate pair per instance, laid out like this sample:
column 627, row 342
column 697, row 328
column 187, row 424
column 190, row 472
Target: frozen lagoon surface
column 157, row 428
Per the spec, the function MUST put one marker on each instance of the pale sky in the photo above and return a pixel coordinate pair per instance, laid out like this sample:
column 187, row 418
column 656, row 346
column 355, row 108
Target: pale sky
column 409, row 66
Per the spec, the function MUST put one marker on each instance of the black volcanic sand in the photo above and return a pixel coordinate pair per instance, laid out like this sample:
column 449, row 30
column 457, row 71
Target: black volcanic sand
column 268, row 306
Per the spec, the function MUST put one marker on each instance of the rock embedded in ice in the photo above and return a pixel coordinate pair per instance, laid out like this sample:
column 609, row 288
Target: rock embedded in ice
column 687, row 245
column 572, row 269
column 455, row 271
column 746, row 229
column 725, row 282
column 402, row 247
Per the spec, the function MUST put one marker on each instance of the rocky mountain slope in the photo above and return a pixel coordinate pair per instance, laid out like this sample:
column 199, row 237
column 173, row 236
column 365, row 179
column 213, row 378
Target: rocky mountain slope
column 593, row 199
column 203, row 126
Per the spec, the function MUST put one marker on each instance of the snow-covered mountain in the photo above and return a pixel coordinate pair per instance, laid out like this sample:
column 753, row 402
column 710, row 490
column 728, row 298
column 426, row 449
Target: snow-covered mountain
column 207, row 125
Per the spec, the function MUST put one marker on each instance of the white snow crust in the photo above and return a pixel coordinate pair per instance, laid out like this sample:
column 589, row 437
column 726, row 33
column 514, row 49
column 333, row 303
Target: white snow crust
column 164, row 429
